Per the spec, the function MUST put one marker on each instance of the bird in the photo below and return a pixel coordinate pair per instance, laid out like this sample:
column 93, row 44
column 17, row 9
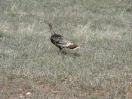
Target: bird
column 60, row 41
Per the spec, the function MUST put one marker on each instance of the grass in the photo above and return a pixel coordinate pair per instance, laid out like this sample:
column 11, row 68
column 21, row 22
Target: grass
column 30, row 66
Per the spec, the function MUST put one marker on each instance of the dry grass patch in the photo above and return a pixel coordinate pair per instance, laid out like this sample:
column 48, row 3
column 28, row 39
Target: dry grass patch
column 30, row 66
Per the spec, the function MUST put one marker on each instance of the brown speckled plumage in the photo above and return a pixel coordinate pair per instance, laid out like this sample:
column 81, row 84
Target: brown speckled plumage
column 60, row 41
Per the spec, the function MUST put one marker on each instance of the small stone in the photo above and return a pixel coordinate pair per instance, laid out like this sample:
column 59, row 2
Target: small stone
column 28, row 93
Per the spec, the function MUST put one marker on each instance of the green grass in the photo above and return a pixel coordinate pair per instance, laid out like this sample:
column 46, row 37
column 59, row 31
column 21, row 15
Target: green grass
column 100, row 69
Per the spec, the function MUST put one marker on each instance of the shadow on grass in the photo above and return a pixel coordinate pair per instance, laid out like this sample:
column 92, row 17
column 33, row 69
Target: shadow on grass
column 74, row 54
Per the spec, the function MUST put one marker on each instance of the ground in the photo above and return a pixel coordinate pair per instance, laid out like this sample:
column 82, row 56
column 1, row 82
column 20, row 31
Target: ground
column 30, row 66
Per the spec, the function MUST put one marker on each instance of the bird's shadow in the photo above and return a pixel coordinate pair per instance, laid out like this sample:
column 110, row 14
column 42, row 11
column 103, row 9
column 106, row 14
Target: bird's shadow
column 75, row 54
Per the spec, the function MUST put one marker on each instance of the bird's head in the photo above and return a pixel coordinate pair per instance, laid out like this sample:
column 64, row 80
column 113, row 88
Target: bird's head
column 51, row 30
column 50, row 25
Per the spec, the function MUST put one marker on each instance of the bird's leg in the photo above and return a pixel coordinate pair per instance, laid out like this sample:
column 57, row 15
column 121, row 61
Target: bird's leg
column 60, row 50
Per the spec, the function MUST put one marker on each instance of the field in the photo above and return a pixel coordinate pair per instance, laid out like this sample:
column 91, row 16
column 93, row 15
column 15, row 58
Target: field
column 30, row 66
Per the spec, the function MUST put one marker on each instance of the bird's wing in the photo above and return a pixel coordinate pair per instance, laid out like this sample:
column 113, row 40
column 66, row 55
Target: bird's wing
column 60, row 40
column 63, row 42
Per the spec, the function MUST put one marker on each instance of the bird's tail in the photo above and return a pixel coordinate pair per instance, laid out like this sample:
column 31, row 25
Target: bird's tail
column 73, row 46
